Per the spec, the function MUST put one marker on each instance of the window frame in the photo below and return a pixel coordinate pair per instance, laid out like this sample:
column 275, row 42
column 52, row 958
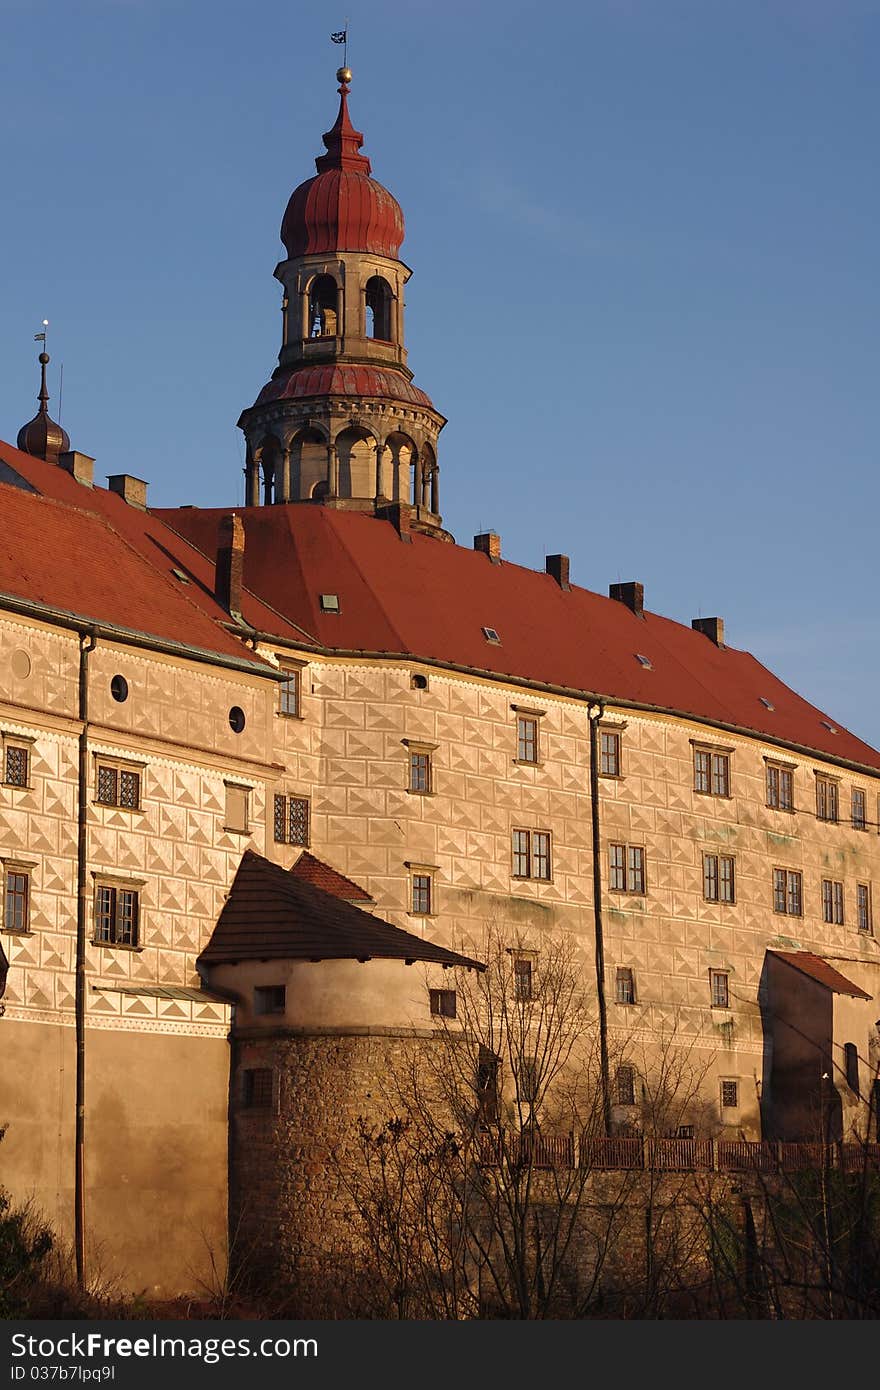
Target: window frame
column 776, row 802
column 827, row 796
column 625, row 1084
column 118, row 889
column 523, row 970
column 439, row 1003
column 12, row 744
column 795, row 876
column 833, row 902
column 17, row 868
column 851, row 1067
column 860, row 822
column 527, row 737
column 293, row 679
column 614, row 734
column 719, row 896
column 718, row 998
column 120, row 768
column 227, row 820
column 250, row 1090
column 625, row 985
column 727, row 1104
column 426, row 873
column 863, row 896
column 289, row 800
column 531, row 854
column 715, row 755
column 631, row 875
column 267, row 1002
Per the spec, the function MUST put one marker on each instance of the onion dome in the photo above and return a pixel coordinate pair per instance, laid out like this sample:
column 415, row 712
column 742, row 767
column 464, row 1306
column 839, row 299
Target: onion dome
column 342, row 208
column 41, row 437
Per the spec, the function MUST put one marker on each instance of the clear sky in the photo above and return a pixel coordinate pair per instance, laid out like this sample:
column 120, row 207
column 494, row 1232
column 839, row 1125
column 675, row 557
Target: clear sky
column 645, row 241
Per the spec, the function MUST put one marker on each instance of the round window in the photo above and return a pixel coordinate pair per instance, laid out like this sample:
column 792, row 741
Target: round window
column 236, row 719
column 119, row 689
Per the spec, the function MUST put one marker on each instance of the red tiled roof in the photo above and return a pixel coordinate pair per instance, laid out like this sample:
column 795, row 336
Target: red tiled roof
column 332, row 379
column 819, row 970
column 312, row 870
column 431, row 600
column 272, row 915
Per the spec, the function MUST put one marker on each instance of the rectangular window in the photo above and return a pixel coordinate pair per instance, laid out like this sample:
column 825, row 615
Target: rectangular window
column 859, row 809
column 626, row 865
column 488, row 1066
column 626, row 1085
column 625, row 986
column 827, row 807
column 863, row 903
column 118, row 786
column 419, row 772
column 16, row 908
column 269, row 999
column 289, row 695
column 236, row 815
column 257, row 1088
column 443, row 1003
column 116, row 915
column 291, row 820
column 780, row 787
column 531, row 854
column 718, row 878
column 729, row 1095
column 526, row 739
column 719, row 989
column 16, row 765
column 528, row 1079
column 522, row 979
column 421, row 894
column 832, row 901
column 711, row 772
column 609, row 753
column 788, row 892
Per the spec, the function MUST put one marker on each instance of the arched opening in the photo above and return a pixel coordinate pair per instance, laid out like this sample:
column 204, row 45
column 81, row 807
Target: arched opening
column 378, row 309
column 322, row 307
column 268, row 458
column 355, row 449
column 308, row 462
column 430, row 480
column 397, row 467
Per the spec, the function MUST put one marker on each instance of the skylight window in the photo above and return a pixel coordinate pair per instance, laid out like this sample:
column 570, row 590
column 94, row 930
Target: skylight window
column 179, row 574
column 329, row 603
column 768, row 704
column 644, row 661
column 826, row 724
column 491, row 636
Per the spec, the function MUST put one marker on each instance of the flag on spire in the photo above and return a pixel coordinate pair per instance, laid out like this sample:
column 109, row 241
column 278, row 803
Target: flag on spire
column 339, row 37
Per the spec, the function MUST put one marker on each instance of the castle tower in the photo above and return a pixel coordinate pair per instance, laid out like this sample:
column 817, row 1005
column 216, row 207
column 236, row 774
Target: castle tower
column 340, row 422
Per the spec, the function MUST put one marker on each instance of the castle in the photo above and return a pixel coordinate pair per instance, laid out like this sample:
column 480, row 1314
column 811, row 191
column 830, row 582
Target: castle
column 268, row 772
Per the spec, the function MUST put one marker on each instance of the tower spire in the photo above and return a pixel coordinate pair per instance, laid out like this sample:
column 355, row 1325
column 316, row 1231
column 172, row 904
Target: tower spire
column 41, row 436
column 342, row 141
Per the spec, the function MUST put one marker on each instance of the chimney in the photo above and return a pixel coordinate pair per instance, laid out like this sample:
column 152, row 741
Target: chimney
column 230, row 563
column 557, row 567
column 632, row 594
column 131, row 490
column 490, row 544
column 400, row 516
column 713, row 628
column 80, row 465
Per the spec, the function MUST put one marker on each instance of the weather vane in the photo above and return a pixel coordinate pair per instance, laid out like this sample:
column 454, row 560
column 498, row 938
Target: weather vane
column 41, row 337
column 341, row 36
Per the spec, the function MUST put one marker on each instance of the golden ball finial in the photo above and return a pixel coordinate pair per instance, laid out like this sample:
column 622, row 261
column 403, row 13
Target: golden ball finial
column 343, row 75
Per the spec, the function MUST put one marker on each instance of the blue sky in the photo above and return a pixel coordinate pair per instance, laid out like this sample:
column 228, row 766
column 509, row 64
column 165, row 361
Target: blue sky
column 645, row 291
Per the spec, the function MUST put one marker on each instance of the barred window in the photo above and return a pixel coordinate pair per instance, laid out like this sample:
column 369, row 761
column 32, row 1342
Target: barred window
column 729, row 1095
column 443, row 1003
column 718, row 878
column 522, row 978
column 257, row 1088
column 859, row 816
column 788, row 892
column 526, row 739
column 17, row 765
column 118, row 786
column 711, row 772
column 780, row 787
column 116, row 915
column 625, row 1085
column 625, row 986
column 289, row 694
column 832, row 901
column 719, row 989
column 531, row 854
column 863, row 903
column 827, row 801
column 291, row 820
column 16, row 901
column 421, row 894
column 609, row 753
column 419, row 772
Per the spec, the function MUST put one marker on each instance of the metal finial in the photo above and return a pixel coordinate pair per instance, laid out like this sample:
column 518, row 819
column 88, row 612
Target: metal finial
column 343, row 75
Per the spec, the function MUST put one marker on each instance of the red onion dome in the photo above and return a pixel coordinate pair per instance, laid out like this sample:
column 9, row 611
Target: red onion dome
column 342, row 208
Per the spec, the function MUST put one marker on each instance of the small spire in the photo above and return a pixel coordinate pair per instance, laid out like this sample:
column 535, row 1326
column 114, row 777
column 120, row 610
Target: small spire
column 343, row 142
column 41, row 437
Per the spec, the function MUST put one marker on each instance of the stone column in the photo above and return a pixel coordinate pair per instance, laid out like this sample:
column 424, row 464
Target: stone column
column 340, row 305
column 418, row 485
column 252, row 481
column 304, row 313
column 380, row 454
column 435, row 489
column 284, row 494
column 332, row 471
